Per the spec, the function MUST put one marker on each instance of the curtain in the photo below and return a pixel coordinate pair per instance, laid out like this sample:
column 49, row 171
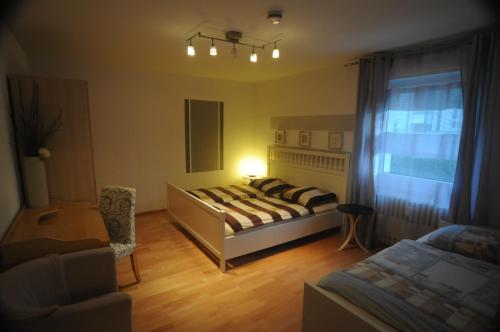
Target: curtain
column 477, row 179
column 416, row 143
column 372, row 89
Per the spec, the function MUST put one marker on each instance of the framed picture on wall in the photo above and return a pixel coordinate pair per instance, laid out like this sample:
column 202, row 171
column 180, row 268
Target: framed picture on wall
column 280, row 137
column 335, row 140
column 305, row 139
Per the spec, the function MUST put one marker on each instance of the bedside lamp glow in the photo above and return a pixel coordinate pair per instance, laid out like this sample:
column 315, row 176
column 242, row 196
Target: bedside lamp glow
column 252, row 166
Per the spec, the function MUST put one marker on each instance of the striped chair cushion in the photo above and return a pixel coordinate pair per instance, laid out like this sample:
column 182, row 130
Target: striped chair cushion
column 308, row 196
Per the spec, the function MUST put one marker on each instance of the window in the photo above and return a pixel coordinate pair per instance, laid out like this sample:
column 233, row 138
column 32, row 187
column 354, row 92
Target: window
column 418, row 138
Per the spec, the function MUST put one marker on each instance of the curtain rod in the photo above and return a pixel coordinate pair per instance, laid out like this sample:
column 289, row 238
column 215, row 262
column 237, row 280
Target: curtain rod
column 352, row 63
column 439, row 43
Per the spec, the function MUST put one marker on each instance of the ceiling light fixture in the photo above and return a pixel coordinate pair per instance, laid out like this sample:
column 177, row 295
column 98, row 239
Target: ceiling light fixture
column 190, row 48
column 213, row 49
column 276, row 52
column 275, row 16
column 253, row 56
column 233, row 37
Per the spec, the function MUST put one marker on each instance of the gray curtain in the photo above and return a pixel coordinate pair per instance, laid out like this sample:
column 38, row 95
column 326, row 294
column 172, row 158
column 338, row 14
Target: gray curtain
column 372, row 89
column 475, row 195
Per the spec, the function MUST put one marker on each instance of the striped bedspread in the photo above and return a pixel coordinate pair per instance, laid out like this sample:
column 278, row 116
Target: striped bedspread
column 226, row 194
column 249, row 213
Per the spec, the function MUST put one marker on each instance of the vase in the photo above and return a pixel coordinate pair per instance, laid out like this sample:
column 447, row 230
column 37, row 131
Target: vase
column 35, row 182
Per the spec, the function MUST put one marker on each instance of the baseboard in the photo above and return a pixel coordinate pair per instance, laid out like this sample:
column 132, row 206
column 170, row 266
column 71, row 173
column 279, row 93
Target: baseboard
column 150, row 212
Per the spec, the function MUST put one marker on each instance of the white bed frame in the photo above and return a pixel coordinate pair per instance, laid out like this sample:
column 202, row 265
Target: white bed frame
column 325, row 311
column 323, row 169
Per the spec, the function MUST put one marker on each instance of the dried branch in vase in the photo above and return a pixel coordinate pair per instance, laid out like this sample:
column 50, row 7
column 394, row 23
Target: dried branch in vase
column 34, row 127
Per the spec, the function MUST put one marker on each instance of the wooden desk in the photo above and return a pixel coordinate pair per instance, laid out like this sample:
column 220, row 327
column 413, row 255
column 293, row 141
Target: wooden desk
column 59, row 228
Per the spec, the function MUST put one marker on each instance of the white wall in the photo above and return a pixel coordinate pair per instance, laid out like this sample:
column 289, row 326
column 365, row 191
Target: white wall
column 323, row 92
column 12, row 61
column 137, row 121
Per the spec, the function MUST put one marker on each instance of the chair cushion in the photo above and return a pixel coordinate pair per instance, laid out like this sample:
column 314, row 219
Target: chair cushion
column 122, row 249
column 117, row 205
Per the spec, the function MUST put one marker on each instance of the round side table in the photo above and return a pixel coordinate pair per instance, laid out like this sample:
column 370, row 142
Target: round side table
column 354, row 212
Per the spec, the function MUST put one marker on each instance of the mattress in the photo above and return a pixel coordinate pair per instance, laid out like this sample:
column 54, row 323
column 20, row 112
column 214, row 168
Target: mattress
column 415, row 287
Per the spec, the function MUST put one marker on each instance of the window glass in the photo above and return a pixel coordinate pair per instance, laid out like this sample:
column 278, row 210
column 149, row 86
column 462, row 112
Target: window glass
column 417, row 143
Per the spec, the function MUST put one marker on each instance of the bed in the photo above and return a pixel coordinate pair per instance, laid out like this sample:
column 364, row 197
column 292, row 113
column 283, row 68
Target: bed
column 411, row 286
column 206, row 220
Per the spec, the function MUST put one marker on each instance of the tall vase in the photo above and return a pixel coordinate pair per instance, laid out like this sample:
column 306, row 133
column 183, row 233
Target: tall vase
column 35, row 182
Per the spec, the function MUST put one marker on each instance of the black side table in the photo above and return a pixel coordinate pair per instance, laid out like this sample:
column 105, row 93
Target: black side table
column 354, row 212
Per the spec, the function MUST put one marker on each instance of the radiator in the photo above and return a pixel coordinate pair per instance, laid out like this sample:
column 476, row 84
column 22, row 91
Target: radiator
column 399, row 219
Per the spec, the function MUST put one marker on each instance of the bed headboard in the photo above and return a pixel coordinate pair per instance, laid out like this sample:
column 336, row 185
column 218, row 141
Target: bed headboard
column 305, row 167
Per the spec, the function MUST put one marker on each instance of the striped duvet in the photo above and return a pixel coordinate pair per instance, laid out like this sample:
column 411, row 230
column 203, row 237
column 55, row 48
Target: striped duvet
column 249, row 213
column 247, row 207
column 226, row 193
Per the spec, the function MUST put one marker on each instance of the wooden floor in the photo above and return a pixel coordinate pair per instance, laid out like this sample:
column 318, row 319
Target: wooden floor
column 182, row 289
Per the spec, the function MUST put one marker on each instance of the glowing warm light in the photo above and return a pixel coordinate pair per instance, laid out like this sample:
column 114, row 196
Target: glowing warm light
column 190, row 50
column 253, row 57
column 252, row 166
column 213, row 49
column 276, row 53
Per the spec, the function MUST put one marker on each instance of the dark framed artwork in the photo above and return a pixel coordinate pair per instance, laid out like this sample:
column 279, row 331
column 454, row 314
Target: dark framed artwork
column 305, row 139
column 204, row 123
column 335, row 140
column 280, row 137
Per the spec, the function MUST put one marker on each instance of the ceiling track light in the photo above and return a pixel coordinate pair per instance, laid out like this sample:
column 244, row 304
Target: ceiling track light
column 233, row 37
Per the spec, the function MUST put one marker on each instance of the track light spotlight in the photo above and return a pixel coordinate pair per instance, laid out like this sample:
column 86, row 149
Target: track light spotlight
column 190, row 49
column 213, row 49
column 253, row 56
column 234, row 52
column 276, row 52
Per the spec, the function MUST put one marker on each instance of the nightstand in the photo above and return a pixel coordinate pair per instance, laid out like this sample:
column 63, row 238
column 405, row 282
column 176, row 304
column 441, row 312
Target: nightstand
column 354, row 212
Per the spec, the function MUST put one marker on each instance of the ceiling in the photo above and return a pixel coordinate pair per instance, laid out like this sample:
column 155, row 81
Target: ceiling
column 151, row 34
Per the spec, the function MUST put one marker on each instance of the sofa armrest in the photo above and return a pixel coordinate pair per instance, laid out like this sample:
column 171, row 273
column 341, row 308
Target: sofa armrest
column 89, row 273
column 111, row 312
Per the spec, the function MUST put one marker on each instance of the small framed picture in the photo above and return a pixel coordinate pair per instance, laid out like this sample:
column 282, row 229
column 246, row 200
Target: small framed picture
column 335, row 140
column 280, row 137
column 305, row 139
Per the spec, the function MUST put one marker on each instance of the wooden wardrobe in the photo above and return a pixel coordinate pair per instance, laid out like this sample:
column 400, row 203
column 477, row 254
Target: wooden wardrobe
column 70, row 168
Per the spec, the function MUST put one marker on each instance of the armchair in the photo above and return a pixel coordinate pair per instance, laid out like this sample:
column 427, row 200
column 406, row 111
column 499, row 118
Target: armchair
column 72, row 292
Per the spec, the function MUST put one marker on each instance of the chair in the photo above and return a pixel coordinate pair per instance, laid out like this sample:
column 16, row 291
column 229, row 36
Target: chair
column 73, row 292
column 117, row 205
